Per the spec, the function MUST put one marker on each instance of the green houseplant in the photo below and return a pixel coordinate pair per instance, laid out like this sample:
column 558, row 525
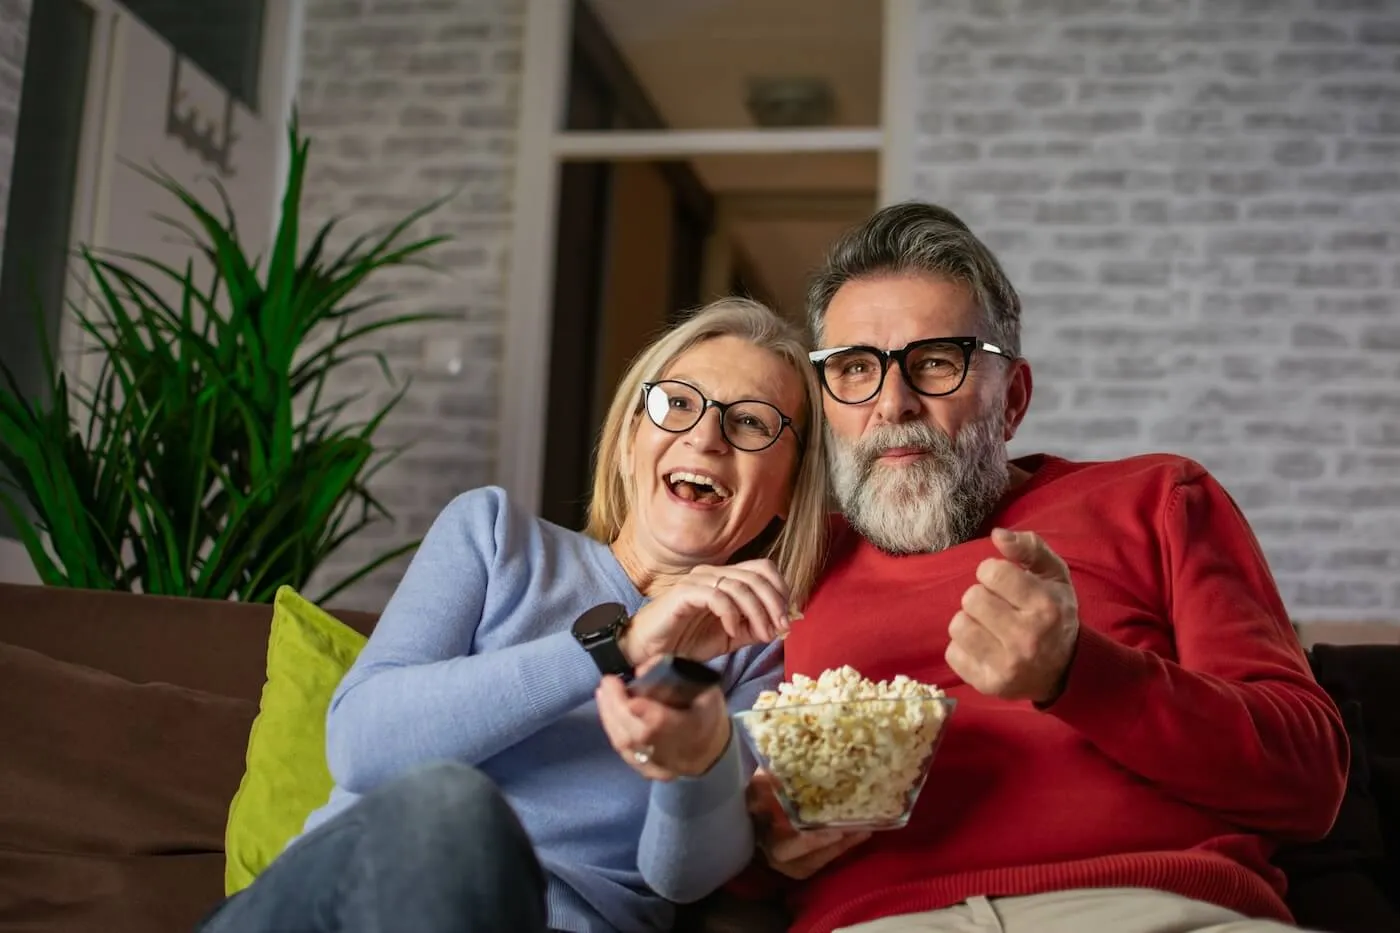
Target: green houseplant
column 207, row 458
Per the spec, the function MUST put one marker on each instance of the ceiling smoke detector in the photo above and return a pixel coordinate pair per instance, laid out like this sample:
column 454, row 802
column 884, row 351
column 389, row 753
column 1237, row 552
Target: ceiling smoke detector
column 775, row 102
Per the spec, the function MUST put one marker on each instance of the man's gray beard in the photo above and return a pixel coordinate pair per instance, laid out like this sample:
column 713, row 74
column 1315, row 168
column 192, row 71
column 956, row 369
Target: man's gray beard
column 932, row 504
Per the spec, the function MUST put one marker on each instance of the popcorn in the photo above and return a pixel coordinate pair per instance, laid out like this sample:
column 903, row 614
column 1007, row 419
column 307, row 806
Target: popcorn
column 856, row 759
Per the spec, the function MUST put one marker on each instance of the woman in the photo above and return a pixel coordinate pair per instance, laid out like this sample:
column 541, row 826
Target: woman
column 509, row 636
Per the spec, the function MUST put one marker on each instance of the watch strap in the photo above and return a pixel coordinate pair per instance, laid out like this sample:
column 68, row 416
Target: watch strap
column 607, row 654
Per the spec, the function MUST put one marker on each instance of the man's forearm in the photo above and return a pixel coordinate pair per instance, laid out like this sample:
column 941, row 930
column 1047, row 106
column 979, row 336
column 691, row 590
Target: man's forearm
column 1277, row 737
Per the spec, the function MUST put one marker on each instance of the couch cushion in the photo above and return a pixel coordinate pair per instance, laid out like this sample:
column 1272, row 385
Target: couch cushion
column 106, row 787
column 1338, row 884
column 219, row 647
column 1370, row 675
column 61, row 892
column 94, row 763
column 308, row 654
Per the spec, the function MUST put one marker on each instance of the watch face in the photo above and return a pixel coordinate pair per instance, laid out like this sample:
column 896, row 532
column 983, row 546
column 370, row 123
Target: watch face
column 598, row 621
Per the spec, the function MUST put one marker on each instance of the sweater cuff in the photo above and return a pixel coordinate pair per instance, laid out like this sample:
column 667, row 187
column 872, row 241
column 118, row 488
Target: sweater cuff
column 694, row 797
column 1105, row 690
column 557, row 672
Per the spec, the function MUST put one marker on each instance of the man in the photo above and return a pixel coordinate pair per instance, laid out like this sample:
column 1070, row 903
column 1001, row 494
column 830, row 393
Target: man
column 1137, row 727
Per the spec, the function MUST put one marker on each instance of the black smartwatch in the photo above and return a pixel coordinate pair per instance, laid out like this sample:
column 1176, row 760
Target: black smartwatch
column 598, row 630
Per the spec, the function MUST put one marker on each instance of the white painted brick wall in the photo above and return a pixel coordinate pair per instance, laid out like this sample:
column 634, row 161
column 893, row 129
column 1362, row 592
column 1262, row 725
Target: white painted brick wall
column 406, row 101
column 1200, row 203
column 14, row 30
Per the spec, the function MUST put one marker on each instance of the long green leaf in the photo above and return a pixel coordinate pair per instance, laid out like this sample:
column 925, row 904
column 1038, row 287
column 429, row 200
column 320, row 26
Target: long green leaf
column 44, row 565
column 350, row 580
column 192, row 462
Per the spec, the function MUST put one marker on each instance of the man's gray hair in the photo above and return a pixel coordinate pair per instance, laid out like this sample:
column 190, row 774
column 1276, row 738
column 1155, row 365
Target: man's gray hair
column 918, row 237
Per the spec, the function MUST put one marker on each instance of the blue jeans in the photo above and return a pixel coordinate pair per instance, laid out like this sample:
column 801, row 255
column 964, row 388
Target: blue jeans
column 436, row 851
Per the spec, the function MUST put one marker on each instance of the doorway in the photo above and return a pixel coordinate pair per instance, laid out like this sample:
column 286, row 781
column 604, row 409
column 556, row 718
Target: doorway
column 629, row 241
column 733, row 145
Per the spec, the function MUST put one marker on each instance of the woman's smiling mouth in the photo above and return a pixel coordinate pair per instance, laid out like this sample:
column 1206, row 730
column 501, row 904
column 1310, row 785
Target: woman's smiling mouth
column 696, row 488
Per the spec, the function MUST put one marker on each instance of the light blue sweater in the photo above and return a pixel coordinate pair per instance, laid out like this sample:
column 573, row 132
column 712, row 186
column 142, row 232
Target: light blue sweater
column 473, row 660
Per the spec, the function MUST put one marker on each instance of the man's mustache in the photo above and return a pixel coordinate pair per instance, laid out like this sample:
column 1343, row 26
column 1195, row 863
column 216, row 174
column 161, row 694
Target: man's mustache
column 914, row 435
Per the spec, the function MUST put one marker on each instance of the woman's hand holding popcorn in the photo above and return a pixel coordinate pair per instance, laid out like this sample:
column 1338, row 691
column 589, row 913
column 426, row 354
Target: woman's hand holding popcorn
column 712, row 612
column 789, row 851
column 660, row 742
column 1015, row 635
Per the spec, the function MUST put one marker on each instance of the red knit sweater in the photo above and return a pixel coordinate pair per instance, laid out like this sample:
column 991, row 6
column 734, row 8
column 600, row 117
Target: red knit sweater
column 1189, row 739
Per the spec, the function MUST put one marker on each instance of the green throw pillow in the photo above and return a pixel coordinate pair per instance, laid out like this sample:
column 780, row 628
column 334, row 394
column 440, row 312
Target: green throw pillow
column 308, row 652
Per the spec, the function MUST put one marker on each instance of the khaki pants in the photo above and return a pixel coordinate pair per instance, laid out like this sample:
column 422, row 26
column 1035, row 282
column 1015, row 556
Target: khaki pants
column 1086, row 910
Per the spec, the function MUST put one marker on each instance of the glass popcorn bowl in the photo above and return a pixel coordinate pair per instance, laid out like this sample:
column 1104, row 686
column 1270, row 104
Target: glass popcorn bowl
column 853, row 764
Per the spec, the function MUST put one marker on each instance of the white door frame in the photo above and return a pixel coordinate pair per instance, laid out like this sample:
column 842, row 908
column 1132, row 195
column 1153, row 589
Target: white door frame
column 277, row 85
column 542, row 147
column 92, row 180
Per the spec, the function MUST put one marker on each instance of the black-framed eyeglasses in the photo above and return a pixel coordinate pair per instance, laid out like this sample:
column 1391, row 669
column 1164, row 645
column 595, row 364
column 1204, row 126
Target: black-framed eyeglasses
column 748, row 424
column 934, row 367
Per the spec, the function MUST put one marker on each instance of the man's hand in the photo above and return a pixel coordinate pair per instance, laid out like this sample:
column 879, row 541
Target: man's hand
column 1014, row 637
column 789, row 851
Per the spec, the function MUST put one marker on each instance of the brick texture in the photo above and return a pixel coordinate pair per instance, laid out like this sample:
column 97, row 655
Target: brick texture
column 406, row 101
column 1200, row 203
column 14, row 31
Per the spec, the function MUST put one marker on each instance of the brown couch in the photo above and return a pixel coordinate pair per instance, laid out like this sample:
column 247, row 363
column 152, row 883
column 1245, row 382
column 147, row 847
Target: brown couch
column 126, row 718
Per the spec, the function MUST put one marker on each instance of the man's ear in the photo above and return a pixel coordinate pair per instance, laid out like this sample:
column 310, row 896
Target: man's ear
column 1019, row 386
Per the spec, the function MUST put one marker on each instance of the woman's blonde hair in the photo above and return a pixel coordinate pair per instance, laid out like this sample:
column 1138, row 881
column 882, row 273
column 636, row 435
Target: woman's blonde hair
column 797, row 549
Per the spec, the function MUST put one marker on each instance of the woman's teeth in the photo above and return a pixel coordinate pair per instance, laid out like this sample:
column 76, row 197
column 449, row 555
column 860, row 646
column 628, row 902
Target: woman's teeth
column 699, row 482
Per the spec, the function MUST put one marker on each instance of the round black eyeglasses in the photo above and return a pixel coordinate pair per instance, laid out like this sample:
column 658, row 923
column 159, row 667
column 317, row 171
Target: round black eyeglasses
column 748, row 424
column 934, row 367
